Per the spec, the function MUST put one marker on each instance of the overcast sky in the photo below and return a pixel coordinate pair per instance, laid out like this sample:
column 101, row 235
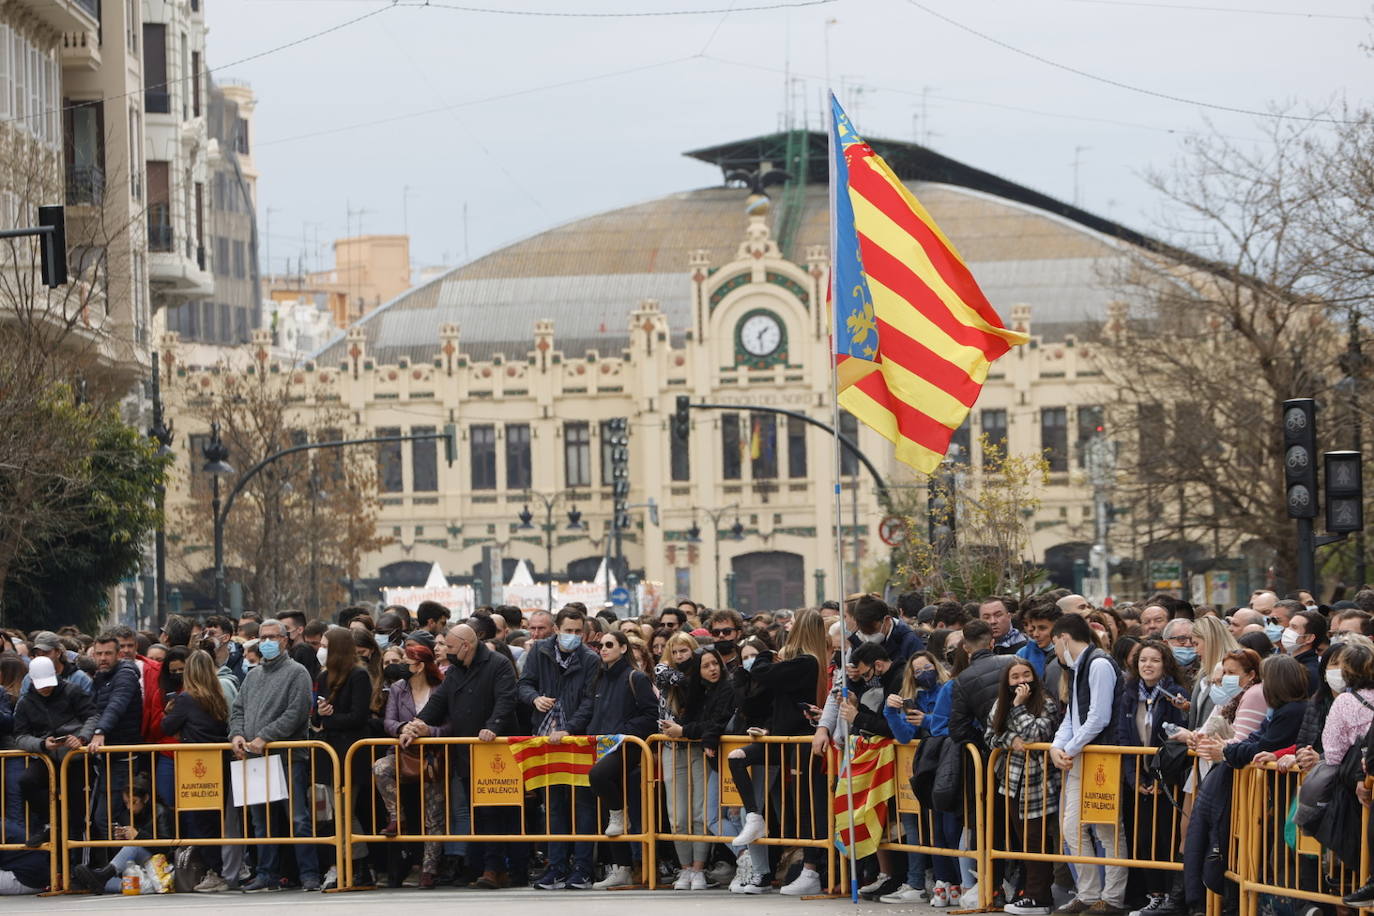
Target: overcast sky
column 597, row 111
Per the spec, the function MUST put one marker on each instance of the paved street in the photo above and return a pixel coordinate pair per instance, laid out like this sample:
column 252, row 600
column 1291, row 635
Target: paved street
column 502, row 903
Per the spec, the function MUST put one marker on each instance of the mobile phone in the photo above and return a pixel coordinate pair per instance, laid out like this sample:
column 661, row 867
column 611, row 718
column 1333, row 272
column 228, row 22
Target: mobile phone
column 909, row 703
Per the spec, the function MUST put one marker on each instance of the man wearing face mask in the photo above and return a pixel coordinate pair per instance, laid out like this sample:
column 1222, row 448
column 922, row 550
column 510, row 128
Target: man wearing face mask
column 869, row 619
column 1178, row 635
column 1302, row 639
column 274, row 705
column 1094, row 681
column 557, row 672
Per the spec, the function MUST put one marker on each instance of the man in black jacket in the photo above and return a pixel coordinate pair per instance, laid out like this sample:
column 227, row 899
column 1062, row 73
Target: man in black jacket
column 119, row 716
column 557, row 673
column 54, row 718
column 476, row 699
column 975, row 689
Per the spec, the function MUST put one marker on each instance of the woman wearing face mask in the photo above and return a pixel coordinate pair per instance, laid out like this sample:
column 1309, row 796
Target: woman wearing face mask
column 912, row 714
column 755, row 709
column 1211, row 641
column 169, row 683
column 620, row 700
column 707, row 704
column 343, row 705
column 1237, row 699
column 412, row 675
column 1150, row 699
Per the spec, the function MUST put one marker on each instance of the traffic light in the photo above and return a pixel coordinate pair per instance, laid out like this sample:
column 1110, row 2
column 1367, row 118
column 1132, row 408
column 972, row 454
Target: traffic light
column 1300, row 456
column 1344, row 492
column 682, row 423
column 52, row 246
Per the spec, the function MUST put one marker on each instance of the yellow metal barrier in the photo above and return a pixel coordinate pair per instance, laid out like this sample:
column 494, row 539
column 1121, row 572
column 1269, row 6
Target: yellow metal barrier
column 927, row 836
column 200, row 779
column 1274, row 860
column 491, row 779
column 784, row 788
column 1123, row 819
column 26, row 824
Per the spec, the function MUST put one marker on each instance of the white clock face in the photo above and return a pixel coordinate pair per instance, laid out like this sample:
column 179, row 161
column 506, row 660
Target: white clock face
column 760, row 335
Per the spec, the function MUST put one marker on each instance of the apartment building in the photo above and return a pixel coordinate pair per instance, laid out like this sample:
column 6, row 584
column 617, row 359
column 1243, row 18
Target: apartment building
column 233, row 311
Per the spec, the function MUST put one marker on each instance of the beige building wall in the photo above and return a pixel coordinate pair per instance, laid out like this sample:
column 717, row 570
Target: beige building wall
column 368, row 271
column 786, row 556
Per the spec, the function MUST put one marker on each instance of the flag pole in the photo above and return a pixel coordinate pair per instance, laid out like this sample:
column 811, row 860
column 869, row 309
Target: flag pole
column 846, row 760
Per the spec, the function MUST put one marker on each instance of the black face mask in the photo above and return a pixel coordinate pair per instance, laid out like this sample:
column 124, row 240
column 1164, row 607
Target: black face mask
column 396, row 672
column 175, row 680
column 726, row 646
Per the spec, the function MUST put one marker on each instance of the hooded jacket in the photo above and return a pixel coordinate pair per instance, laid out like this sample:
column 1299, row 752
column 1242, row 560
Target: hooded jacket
column 620, row 700
column 68, row 710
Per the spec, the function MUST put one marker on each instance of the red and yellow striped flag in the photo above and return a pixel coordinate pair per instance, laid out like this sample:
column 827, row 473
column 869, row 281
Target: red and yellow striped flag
column 873, row 768
column 564, row 764
column 914, row 335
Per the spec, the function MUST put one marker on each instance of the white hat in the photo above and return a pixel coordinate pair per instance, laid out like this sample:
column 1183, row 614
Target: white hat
column 43, row 673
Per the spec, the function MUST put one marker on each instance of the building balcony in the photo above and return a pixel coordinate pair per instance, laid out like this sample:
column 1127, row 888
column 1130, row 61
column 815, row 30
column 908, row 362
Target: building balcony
column 161, row 237
column 81, row 50
column 157, row 101
column 85, row 186
column 176, row 278
column 65, row 15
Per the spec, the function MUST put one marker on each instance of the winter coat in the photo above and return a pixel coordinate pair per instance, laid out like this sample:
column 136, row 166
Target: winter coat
column 620, row 700
column 119, row 704
column 68, row 710
column 974, row 692
column 352, row 703
column 544, row 677
column 473, row 697
column 790, row 683
column 901, row 643
column 709, row 710
column 1162, row 712
column 188, row 720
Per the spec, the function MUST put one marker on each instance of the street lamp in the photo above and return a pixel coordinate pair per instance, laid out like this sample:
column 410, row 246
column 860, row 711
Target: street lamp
column 216, row 455
column 715, row 515
column 575, row 523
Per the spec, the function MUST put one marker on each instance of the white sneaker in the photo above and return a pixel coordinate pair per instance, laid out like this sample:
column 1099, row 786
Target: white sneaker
column 940, row 898
column 616, row 876
column 616, row 825
column 905, row 894
column 883, row 878
column 211, row 884
column 684, row 880
column 807, row 883
column 698, row 880
column 744, row 871
column 755, row 828
column 757, row 884
column 720, row 873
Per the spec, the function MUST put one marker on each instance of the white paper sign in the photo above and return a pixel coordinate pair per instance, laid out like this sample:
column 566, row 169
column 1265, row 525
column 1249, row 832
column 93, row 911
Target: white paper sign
column 262, row 777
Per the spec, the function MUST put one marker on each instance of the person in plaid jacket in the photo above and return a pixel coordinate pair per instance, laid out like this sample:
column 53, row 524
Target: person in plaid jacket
column 1027, row 786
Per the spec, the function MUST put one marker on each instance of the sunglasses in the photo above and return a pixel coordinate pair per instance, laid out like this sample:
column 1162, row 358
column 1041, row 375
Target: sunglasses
column 725, row 631
column 610, row 645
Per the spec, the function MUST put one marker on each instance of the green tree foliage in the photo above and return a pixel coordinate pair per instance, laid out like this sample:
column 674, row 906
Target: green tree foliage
column 105, row 504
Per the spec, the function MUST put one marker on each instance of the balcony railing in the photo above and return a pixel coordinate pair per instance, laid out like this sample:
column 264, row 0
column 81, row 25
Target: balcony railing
column 157, row 101
column 200, row 257
column 85, row 186
column 90, row 6
column 160, row 237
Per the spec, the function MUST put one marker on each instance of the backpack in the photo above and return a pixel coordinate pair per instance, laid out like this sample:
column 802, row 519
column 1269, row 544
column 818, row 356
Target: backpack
column 924, row 765
column 947, row 792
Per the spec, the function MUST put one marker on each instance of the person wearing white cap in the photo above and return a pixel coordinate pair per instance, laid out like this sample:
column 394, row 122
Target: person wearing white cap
column 48, row 644
column 54, row 718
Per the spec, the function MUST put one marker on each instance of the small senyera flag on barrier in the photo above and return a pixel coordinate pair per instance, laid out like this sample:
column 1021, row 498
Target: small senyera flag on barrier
column 564, row 764
column 873, row 768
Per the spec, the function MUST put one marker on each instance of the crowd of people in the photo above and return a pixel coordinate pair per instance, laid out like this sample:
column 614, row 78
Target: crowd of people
column 1026, row 685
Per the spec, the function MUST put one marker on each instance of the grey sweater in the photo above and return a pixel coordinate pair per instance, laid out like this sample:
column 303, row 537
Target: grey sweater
column 273, row 703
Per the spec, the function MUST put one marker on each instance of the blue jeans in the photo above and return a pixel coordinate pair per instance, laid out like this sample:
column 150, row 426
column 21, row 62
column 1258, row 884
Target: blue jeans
column 916, row 862
column 302, row 799
column 460, row 819
column 566, row 804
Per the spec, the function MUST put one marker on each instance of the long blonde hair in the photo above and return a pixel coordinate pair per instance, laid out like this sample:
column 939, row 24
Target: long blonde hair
column 807, row 637
column 1216, row 642
column 677, row 639
column 202, row 684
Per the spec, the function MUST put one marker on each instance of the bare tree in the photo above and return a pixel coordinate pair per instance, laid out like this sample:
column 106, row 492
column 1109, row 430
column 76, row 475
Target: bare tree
column 302, row 524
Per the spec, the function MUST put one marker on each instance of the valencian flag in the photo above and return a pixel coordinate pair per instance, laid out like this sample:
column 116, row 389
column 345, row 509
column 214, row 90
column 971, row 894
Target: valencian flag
column 914, row 335
column 872, row 766
column 564, row 764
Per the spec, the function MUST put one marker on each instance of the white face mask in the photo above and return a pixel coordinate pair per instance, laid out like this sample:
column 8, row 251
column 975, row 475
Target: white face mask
column 1289, row 640
column 322, row 653
column 1335, row 680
